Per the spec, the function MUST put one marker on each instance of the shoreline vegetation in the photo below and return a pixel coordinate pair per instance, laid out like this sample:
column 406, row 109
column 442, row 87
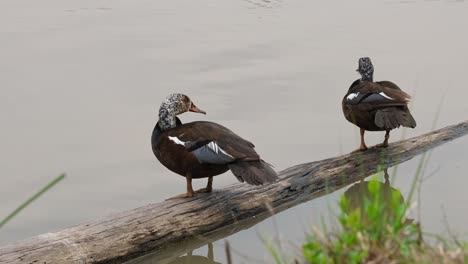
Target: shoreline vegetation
column 377, row 229
column 374, row 226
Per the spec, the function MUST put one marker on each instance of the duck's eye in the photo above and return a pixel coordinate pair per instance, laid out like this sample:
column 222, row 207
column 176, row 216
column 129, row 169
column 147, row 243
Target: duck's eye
column 185, row 100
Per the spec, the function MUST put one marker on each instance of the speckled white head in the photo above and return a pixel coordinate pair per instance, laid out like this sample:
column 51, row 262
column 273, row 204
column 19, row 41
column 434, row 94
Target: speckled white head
column 175, row 104
column 366, row 69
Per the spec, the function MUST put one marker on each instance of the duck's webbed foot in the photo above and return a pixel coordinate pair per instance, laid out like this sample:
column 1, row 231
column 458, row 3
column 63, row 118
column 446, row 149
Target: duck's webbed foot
column 190, row 193
column 382, row 145
column 361, row 148
column 203, row 190
column 184, row 195
column 385, row 143
column 209, row 187
column 363, row 145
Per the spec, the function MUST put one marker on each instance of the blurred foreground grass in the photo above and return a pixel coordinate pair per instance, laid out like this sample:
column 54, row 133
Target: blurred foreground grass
column 31, row 199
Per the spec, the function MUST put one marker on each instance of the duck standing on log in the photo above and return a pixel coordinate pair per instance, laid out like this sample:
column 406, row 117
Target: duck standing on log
column 376, row 106
column 204, row 149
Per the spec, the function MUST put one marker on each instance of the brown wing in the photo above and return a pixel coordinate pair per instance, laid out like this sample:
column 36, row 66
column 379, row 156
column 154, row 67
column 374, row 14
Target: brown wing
column 213, row 143
column 377, row 95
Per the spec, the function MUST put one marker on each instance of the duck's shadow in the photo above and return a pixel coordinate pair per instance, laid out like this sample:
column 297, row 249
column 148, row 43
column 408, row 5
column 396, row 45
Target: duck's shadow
column 186, row 258
column 359, row 196
column 196, row 259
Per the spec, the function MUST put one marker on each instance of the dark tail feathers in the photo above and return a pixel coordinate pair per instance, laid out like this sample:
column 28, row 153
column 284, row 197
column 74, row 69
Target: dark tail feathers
column 253, row 172
column 394, row 117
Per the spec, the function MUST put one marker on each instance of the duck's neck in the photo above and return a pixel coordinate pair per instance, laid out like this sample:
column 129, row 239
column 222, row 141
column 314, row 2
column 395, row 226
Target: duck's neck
column 367, row 76
column 167, row 119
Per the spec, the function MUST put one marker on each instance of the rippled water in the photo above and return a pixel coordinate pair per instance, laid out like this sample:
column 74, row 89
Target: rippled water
column 81, row 83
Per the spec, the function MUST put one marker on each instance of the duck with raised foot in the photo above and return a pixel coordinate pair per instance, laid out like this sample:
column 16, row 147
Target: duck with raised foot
column 376, row 106
column 204, row 149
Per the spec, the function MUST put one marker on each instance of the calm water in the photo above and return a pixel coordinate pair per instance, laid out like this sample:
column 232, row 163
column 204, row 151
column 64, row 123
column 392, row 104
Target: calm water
column 82, row 81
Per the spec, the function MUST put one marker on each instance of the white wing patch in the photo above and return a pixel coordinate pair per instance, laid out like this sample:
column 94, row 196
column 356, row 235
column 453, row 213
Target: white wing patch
column 386, row 96
column 216, row 149
column 212, row 146
column 177, row 141
column 352, row 96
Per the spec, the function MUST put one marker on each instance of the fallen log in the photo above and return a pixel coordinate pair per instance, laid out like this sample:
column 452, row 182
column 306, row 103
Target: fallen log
column 173, row 227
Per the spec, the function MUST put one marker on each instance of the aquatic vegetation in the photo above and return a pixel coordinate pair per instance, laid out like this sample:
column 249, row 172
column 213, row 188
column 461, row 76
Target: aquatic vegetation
column 377, row 231
column 374, row 227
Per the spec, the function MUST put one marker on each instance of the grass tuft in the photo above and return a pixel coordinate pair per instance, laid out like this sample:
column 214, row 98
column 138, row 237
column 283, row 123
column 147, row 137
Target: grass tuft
column 374, row 228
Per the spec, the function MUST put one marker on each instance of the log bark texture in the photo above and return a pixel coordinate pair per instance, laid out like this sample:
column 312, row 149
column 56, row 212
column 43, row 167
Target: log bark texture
column 173, row 227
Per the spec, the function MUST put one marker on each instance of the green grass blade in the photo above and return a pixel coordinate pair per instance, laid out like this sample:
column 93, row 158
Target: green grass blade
column 426, row 155
column 419, row 173
column 271, row 248
column 31, row 199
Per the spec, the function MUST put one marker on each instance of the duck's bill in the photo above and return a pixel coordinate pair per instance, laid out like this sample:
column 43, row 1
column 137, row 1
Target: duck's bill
column 195, row 109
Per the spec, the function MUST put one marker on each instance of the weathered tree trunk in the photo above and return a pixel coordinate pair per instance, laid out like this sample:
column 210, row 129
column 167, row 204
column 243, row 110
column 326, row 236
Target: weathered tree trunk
column 173, row 227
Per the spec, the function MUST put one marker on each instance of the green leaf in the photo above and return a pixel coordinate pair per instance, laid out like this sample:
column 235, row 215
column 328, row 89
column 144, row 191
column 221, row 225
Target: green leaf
column 374, row 187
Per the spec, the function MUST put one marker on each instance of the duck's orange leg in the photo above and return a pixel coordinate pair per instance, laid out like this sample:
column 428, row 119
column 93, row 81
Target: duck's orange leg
column 189, row 192
column 209, row 186
column 363, row 144
column 385, row 143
